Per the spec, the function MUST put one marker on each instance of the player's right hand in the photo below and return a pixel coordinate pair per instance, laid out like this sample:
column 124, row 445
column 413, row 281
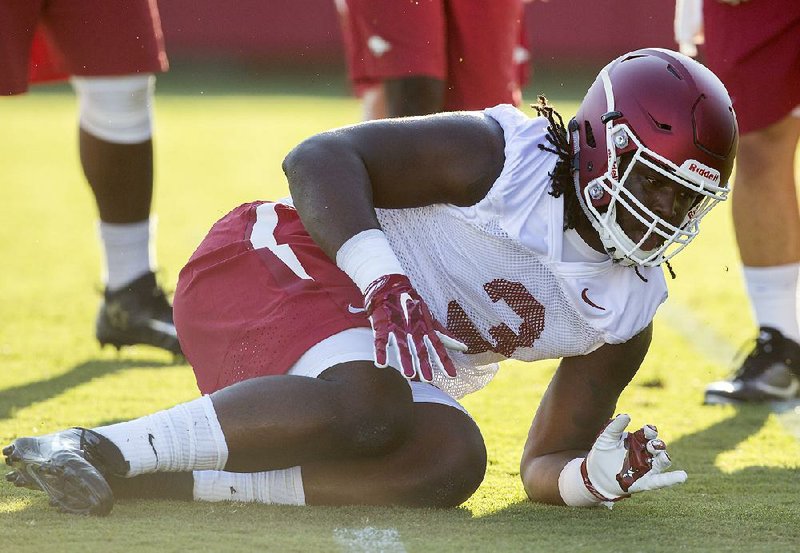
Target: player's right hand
column 402, row 322
column 622, row 463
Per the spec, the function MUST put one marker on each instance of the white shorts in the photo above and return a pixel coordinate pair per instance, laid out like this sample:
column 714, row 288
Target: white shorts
column 356, row 344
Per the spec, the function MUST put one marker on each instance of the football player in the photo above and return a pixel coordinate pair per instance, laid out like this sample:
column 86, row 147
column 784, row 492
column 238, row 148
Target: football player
column 416, row 58
column 332, row 333
column 764, row 203
column 110, row 50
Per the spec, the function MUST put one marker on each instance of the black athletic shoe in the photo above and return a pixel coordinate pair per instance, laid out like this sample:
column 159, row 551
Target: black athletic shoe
column 21, row 481
column 138, row 313
column 769, row 373
column 70, row 467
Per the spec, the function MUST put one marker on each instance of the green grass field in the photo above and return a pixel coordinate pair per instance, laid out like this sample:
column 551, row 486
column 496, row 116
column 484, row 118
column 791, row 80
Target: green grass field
column 218, row 146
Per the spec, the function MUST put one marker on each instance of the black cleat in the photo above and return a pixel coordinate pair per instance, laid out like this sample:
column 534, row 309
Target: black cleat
column 770, row 372
column 70, row 467
column 138, row 313
column 21, row 481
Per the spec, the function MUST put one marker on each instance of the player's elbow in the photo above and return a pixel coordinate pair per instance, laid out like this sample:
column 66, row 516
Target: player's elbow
column 529, row 484
column 299, row 158
column 535, row 492
column 313, row 161
column 538, row 482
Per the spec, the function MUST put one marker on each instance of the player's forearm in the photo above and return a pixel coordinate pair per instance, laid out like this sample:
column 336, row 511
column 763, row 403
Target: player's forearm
column 331, row 190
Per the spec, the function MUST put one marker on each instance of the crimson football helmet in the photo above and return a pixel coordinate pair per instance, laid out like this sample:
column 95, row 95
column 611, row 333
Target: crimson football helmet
column 674, row 116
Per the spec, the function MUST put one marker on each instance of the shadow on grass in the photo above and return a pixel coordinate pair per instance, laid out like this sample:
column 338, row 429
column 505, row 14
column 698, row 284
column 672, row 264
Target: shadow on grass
column 712, row 511
column 19, row 397
column 745, row 504
column 744, row 507
column 705, row 446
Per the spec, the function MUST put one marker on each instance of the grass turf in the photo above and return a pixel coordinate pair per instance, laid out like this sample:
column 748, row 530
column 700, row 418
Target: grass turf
column 217, row 149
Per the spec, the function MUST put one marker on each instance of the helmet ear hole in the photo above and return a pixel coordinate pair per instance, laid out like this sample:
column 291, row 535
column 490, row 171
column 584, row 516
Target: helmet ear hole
column 674, row 71
column 589, row 135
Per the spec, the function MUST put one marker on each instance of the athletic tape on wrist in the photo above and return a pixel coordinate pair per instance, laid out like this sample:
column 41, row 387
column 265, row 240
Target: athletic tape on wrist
column 571, row 486
column 366, row 257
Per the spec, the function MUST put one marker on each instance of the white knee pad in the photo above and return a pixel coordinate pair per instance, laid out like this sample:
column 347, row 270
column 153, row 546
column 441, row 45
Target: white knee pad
column 116, row 109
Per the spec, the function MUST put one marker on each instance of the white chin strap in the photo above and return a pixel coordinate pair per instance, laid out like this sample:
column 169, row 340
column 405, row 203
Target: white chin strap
column 621, row 248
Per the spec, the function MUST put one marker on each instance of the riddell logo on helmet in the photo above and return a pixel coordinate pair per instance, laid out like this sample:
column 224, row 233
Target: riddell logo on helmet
column 705, row 173
column 694, row 169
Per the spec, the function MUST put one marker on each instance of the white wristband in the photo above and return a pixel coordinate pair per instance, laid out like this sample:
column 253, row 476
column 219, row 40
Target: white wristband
column 366, row 257
column 571, row 487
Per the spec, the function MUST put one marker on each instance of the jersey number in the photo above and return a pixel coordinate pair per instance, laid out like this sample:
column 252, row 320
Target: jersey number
column 506, row 341
column 263, row 236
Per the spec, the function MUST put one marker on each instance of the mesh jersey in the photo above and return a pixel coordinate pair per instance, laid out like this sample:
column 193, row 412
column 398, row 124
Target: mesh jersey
column 493, row 272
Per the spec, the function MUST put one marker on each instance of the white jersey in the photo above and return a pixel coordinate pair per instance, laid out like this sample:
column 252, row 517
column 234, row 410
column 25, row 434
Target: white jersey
column 498, row 275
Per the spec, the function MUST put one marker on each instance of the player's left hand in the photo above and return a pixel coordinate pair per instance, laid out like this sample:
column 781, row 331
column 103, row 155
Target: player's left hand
column 402, row 322
column 622, row 463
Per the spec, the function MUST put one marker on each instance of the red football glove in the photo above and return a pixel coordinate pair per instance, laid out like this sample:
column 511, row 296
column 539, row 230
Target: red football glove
column 402, row 322
column 622, row 463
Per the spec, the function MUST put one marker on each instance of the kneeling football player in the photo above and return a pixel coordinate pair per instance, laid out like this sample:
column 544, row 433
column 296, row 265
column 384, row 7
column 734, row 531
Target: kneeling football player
column 333, row 333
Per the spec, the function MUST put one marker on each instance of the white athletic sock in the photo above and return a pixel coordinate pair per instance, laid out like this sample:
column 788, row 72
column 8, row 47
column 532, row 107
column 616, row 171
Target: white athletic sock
column 183, row 438
column 128, row 251
column 281, row 487
column 773, row 295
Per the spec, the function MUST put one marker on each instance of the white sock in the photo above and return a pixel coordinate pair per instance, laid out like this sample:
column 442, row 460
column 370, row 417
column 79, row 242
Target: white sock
column 183, row 438
column 281, row 487
column 773, row 295
column 128, row 251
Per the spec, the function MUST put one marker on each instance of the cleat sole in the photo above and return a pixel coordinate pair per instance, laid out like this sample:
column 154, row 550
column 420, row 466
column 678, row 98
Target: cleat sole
column 73, row 484
column 717, row 400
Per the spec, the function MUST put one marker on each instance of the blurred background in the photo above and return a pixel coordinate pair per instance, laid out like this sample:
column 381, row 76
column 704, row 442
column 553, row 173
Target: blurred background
column 303, row 36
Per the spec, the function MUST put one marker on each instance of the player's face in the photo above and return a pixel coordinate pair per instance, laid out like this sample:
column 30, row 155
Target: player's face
column 666, row 198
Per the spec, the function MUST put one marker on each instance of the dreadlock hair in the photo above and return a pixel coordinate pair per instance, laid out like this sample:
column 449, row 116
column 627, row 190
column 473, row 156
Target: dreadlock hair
column 562, row 175
column 562, row 183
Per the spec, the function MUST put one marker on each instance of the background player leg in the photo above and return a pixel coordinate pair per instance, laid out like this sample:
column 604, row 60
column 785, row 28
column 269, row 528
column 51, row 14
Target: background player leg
column 413, row 96
column 116, row 153
column 765, row 196
column 767, row 228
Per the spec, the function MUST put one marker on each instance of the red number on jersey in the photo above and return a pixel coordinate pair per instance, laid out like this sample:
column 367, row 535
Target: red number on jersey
column 507, row 341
